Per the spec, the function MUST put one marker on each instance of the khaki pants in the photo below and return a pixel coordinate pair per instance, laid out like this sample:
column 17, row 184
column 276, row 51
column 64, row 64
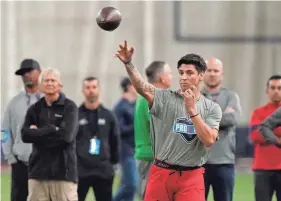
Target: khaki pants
column 51, row 190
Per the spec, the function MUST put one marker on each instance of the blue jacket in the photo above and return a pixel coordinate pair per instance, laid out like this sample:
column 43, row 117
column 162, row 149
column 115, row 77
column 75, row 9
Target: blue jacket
column 124, row 111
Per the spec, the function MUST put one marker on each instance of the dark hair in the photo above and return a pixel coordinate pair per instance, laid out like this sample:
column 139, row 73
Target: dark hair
column 153, row 70
column 195, row 60
column 273, row 77
column 125, row 82
column 90, row 78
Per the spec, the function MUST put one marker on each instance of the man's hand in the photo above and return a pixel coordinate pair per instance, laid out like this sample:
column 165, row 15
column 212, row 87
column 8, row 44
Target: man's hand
column 190, row 100
column 229, row 110
column 124, row 53
column 141, row 85
column 33, row 127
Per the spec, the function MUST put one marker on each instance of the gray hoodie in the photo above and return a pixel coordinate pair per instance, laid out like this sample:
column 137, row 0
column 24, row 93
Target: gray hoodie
column 268, row 125
column 13, row 147
column 223, row 151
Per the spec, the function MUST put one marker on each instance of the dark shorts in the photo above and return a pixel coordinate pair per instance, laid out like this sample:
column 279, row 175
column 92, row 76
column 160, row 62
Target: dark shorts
column 166, row 184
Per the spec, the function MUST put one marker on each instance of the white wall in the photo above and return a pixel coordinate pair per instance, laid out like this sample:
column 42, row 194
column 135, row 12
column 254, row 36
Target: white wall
column 65, row 35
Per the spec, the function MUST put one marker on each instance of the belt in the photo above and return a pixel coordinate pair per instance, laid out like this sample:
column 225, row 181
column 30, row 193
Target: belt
column 173, row 167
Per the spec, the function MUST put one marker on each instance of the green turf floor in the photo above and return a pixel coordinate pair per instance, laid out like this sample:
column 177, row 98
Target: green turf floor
column 243, row 188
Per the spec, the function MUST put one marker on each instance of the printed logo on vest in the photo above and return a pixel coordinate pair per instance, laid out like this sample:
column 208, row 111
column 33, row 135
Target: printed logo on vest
column 83, row 122
column 185, row 128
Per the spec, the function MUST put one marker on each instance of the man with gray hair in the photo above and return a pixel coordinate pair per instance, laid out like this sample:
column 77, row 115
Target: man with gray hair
column 219, row 169
column 17, row 152
column 159, row 74
column 51, row 126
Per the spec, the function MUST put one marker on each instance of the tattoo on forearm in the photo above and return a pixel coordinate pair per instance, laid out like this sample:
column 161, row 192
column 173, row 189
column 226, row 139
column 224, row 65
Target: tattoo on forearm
column 142, row 86
column 129, row 65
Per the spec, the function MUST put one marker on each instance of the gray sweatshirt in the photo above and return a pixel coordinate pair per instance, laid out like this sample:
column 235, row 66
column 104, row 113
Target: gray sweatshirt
column 13, row 147
column 268, row 125
column 223, row 151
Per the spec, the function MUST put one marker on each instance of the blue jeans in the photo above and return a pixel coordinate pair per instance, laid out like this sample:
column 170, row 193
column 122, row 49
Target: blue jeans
column 221, row 178
column 129, row 180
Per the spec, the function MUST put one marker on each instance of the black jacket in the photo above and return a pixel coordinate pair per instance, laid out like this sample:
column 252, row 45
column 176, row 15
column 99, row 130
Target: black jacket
column 108, row 134
column 53, row 155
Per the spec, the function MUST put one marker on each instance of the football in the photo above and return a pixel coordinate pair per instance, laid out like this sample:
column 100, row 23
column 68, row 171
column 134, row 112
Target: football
column 108, row 18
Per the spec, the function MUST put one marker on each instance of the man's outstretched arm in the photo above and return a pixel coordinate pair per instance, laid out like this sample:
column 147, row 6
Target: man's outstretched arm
column 141, row 85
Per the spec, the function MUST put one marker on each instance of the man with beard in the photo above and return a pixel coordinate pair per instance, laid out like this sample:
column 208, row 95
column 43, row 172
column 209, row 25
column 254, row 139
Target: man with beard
column 15, row 150
column 219, row 169
column 97, row 144
column 267, row 155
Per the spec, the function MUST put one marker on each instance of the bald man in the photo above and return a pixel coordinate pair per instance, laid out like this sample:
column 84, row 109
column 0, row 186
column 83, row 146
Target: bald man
column 219, row 169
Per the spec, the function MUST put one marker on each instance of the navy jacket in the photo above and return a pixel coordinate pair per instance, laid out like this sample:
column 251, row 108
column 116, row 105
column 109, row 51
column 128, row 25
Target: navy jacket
column 124, row 112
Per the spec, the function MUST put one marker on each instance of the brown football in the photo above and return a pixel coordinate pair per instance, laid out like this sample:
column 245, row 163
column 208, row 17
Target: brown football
column 109, row 18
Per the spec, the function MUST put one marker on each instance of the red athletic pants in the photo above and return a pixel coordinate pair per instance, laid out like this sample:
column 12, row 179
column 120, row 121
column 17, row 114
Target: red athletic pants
column 172, row 185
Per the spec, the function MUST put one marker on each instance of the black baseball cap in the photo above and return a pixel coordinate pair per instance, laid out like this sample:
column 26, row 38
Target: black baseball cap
column 27, row 65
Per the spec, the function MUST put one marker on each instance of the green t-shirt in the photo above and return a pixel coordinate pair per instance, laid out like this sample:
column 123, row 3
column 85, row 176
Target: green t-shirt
column 143, row 149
